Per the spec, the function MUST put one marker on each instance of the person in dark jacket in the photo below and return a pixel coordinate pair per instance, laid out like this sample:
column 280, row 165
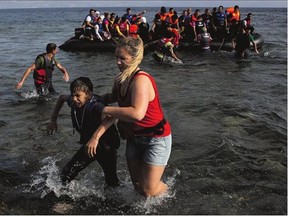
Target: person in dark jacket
column 86, row 114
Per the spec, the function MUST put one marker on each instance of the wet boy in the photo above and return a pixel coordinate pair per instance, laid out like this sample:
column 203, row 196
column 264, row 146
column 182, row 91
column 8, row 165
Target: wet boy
column 86, row 111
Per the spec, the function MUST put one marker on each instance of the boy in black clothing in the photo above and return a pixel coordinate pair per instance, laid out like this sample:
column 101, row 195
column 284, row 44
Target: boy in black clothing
column 86, row 111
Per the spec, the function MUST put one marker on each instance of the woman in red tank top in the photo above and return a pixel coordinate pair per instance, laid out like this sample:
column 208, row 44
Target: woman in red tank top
column 141, row 120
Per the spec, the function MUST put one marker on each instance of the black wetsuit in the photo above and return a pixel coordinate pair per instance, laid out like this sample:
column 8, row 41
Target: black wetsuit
column 86, row 120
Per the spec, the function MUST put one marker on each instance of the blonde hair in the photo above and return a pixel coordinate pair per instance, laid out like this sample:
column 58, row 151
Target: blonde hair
column 135, row 48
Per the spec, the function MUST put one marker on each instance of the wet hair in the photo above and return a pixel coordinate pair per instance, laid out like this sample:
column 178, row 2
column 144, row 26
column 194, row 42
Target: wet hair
column 50, row 47
column 81, row 84
column 135, row 48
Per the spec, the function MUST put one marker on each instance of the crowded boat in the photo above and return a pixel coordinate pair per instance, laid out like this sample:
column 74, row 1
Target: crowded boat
column 213, row 30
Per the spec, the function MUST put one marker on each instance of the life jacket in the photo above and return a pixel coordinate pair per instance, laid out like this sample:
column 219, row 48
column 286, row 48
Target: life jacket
column 232, row 15
column 44, row 74
column 86, row 120
column 169, row 18
column 194, row 19
column 123, row 28
column 133, row 30
column 163, row 17
column 92, row 22
column 100, row 27
column 248, row 22
column 105, row 20
column 220, row 18
column 199, row 26
column 205, row 40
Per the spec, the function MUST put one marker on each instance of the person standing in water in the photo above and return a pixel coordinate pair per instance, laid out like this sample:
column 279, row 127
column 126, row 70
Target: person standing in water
column 141, row 120
column 86, row 115
column 43, row 68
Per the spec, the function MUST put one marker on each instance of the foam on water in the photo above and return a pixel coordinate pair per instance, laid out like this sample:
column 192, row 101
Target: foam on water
column 30, row 94
column 47, row 180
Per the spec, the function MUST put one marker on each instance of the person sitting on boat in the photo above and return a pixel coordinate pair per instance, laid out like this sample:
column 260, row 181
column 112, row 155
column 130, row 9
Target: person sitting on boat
column 117, row 33
column 112, row 18
column 165, row 47
column 220, row 23
column 99, row 29
column 123, row 27
column 89, row 25
column 247, row 22
column 204, row 39
column 106, row 25
column 133, row 28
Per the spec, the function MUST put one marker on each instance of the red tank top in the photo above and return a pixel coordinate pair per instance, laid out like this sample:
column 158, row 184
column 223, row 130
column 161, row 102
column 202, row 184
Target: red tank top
column 154, row 113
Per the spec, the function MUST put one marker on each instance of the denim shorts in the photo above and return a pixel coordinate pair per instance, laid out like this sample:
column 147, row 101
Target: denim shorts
column 153, row 150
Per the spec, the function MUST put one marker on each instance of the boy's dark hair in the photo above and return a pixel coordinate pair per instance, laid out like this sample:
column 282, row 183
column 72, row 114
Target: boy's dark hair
column 50, row 47
column 81, row 84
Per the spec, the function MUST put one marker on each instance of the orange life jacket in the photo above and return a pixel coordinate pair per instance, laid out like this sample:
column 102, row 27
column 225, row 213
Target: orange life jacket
column 133, row 31
column 233, row 15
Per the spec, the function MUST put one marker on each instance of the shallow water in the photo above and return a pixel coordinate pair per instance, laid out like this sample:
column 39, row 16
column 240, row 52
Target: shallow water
column 229, row 123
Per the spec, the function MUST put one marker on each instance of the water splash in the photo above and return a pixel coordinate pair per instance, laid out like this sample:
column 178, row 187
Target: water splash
column 30, row 94
column 47, row 180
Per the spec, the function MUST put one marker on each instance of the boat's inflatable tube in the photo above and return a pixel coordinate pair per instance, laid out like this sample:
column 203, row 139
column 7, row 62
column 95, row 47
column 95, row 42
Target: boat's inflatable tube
column 215, row 45
column 76, row 44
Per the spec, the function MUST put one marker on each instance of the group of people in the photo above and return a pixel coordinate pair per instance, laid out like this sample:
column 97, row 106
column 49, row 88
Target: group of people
column 168, row 28
column 218, row 25
column 104, row 27
column 139, row 118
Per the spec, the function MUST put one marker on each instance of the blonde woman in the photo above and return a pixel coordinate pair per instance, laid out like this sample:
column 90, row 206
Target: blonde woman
column 141, row 120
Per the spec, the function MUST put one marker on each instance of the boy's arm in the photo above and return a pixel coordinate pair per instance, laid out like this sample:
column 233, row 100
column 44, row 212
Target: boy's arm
column 25, row 75
column 64, row 71
column 52, row 126
column 92, row 144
